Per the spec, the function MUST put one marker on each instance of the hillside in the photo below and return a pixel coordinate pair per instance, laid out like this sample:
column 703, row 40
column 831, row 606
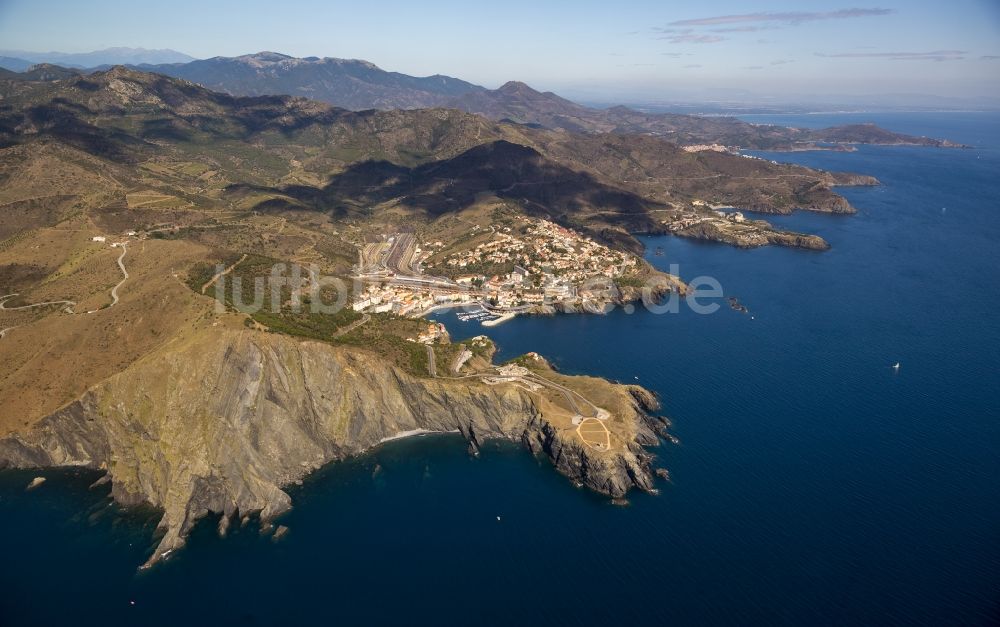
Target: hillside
column 205, row 177
column 130, row 117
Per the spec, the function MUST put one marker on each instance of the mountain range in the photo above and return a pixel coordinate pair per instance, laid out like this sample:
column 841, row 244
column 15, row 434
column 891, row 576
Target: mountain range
column 359, row 85
column 346, row 83
column 20, row 60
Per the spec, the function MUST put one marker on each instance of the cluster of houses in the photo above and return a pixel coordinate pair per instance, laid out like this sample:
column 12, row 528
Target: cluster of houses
column 104, row 238
column 542, row 255
column 434, row 332
column 705, row 147
column 689, row 219
column 542, row 263
column 405, row 300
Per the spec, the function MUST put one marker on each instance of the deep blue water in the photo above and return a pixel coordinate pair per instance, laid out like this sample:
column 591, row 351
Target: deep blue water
column 812, row 485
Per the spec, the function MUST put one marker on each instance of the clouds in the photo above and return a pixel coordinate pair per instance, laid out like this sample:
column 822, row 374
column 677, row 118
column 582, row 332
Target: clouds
column 691, row 38
column 808, row 45
column 705, row 30
column 686, row 36
column 933, row 55
column 790, row 18
column 741, row 29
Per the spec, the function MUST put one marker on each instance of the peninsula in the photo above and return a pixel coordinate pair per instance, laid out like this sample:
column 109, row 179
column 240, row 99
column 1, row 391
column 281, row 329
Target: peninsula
column 207, row 297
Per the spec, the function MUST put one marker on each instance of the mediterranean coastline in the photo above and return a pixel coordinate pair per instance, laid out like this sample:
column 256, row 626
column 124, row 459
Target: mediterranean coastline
column 782, row 440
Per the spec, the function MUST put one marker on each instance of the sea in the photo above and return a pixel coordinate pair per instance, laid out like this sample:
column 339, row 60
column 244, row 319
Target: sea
column 813, row 483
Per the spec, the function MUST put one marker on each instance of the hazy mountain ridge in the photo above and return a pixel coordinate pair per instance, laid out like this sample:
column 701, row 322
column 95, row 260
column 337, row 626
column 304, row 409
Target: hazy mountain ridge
column 347, row 83
column 14, row 64
column 520, row 103
column 359, row 85
column 107, row 56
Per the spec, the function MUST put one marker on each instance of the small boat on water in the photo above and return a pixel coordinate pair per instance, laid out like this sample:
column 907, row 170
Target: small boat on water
column 896, row 367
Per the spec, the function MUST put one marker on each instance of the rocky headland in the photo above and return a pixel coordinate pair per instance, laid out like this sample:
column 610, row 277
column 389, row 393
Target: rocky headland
column 221, row 421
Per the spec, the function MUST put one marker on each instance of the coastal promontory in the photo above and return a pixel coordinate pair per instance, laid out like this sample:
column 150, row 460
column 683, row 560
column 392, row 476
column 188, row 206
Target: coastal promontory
column 220, row 422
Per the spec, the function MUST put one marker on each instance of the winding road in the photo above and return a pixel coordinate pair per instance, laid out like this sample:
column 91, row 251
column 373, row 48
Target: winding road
column 69, row 303
column 121, row 264
column 4, row 299
column 570, row 395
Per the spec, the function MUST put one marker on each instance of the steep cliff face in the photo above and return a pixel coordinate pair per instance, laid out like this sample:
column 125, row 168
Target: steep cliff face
column 222, row 421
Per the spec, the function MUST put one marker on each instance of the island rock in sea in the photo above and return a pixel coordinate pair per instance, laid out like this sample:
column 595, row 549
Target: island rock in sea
column 221, row 422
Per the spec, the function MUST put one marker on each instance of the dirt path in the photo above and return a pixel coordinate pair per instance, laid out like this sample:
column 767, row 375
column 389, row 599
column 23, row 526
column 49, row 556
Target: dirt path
column 594, row 434
column 4, row 299
column 121, row 264
column 219, row 275
column 570, row 395
column 431, row 362
column 354, row 325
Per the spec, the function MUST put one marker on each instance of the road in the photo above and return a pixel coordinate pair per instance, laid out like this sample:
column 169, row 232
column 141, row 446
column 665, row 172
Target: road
column 463, row 356
column 70, row 303
column 219, row 275
column 354, row 325
column 121, row 264
column 568, row 393
column 4, row 299
column 591, row 429
column 398, row 259
column 431, row 362
column 431, row 283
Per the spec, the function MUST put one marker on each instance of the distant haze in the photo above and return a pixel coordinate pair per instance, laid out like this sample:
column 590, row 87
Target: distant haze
column 892, row 53
column 108, row 56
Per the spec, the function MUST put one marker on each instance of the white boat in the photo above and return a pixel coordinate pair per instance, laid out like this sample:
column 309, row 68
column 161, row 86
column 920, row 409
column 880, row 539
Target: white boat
column 896, row 367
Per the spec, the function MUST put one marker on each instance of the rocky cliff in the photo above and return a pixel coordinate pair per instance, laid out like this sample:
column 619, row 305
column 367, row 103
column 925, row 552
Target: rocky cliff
column 221, row 421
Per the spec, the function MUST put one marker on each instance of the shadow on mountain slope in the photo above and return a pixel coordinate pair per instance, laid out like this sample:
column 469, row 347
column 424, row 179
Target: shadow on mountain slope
column 507, row 170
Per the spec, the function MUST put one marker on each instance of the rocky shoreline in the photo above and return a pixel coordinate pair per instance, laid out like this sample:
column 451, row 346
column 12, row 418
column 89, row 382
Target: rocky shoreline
column 221, row 423
column 707, row 231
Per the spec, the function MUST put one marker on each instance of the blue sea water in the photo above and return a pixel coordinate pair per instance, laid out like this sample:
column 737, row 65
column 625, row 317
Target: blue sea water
column 813, row 485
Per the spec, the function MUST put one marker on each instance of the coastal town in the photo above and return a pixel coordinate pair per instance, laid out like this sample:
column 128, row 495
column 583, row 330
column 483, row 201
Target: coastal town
column 531, row 265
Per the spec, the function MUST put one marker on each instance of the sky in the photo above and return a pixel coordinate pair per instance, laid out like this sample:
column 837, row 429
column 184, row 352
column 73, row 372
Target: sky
column 637, row 50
